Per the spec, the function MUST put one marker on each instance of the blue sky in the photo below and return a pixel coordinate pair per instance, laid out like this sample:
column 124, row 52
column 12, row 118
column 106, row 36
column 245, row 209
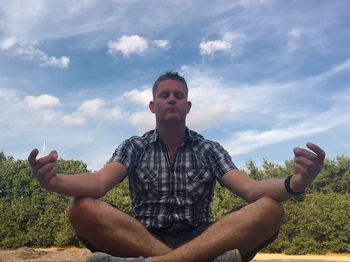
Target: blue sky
column 264, row 76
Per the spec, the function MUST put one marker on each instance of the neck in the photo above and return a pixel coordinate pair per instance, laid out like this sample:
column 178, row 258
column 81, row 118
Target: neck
column 173, row 136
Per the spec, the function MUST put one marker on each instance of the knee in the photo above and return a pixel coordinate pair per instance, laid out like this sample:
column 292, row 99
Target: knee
column 80, row 208
column 272, row 212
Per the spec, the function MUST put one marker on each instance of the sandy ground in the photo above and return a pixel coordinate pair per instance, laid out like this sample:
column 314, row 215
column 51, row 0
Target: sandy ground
column 311, row 258
column 44, row 255
column 26, row 254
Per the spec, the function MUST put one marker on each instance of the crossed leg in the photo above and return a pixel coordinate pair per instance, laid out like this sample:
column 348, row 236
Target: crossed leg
column 111, row 230
column 118, row 234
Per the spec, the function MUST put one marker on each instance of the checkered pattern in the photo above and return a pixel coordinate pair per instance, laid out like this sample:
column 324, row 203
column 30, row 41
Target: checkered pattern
column 166, row 190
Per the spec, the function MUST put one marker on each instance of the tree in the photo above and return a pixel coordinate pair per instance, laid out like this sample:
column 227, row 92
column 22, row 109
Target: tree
column 316, row 222
column 30, row 215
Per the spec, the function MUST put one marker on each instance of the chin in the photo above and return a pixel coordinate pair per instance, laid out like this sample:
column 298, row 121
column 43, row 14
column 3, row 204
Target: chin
column 173, row 120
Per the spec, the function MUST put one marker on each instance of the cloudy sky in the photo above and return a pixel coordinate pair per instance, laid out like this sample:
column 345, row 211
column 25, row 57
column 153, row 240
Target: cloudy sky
column 264, row 76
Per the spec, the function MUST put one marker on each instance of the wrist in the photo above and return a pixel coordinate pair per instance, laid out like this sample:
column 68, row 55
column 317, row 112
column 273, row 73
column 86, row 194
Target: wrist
column 290, row 188
column 51, row 184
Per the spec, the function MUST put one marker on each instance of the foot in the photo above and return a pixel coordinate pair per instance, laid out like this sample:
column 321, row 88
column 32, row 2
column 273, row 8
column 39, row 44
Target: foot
column 229, row 256
column 103, row 257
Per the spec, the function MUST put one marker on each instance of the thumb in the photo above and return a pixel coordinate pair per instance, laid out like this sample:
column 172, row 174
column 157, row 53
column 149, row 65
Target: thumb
column 32, row 157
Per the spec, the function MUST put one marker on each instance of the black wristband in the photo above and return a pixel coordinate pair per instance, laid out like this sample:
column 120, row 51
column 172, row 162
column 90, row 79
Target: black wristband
column 289, row 189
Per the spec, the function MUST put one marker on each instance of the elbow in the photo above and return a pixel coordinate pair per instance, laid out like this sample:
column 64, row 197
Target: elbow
column 252, row 193
column 99, row 191
column 251, row 198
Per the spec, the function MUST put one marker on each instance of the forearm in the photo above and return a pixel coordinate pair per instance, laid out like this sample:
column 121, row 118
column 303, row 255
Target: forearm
column 307, row 165
column 251, row 190
column 79, row 185
column 273, row 188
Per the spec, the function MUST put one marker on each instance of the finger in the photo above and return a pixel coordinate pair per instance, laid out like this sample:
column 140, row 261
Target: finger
column 301, row 152
column 313, row 166
column 44, row 170
column 32, row 157
column 54, row 153
column 51, row 157
column 51, row 173
column 38, row 170
column 299, row 169
column 321, row 154
column 304, row 161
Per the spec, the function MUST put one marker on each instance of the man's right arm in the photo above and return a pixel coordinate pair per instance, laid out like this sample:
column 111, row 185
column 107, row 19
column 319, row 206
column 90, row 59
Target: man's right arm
column 80, row 185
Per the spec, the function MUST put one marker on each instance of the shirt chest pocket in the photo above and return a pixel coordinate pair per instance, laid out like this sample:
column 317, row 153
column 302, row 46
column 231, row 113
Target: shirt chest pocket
column 198, row 182
column 146, row 183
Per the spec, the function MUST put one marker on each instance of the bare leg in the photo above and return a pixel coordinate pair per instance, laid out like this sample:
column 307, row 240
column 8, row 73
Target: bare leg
column 244, row 229
column 111, row 230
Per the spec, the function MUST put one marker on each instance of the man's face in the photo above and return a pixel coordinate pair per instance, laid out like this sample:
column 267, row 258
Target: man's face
column 170, row 103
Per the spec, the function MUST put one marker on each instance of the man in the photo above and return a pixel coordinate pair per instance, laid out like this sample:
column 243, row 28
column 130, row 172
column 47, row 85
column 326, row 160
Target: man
column 172, row 171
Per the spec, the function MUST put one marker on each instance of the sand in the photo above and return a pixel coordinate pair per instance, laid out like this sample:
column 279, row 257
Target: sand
column 312, row 258
column 26, row 254
column 44, row 255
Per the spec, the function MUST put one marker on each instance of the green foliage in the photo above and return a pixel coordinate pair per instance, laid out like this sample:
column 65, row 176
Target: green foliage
column 315, row 223
column 319, row 224
column 30, row 215
column 120, row 197
column 335, row 176
column 224, row 202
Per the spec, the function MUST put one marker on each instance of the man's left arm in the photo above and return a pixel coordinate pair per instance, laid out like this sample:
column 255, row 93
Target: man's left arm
column 307, row 165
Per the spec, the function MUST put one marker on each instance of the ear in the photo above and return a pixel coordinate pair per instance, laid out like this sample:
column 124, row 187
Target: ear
column 189, row 105
column 151, row 106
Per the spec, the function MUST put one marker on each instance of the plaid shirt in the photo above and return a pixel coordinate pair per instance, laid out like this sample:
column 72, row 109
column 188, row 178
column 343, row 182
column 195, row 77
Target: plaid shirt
column 165, row 190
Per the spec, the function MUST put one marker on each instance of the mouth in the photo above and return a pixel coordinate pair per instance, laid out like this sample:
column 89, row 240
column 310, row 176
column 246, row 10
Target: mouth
column 171, row 110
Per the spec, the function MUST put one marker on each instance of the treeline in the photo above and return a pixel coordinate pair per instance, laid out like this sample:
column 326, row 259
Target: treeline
column 316, row 222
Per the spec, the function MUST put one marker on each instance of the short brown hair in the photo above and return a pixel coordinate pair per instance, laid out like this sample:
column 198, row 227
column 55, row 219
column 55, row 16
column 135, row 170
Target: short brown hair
column 169, row 75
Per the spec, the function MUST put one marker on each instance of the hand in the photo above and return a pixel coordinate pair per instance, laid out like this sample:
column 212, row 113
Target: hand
column 307, row 165
column 45, row 168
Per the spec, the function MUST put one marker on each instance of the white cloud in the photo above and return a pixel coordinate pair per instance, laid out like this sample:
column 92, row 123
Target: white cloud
column 326, row 75
column 296, row 32
column 58, row 19
column 164, row 44
column 47, row 117
column 72, row 120
column 244, row 142
column 95, row 109
column 28, row 50
column 91, row 107
column 142, row 96
column 295, row 38
column 210, row 47
column 339, row 68
column 304, row 38
column 143, row 121
column 42, row 101
column 10, row 106
column 8, row 94
column 128, row 45
column 61, row 62
column 230, row 41
column 7, row 43
column 230, row 102
column 215, row 102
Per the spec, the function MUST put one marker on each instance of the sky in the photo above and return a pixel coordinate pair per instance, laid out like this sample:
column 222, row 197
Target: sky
column 264, row 76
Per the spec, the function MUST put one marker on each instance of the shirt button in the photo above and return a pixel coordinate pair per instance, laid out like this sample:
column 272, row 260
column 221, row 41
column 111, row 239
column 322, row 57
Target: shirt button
column 176, row 217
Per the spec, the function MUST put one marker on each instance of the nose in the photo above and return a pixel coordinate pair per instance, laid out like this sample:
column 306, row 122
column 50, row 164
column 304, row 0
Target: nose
column 172, row 99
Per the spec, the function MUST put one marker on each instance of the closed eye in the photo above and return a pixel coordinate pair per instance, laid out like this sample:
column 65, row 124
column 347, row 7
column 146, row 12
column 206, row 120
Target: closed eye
column 179, row 95
column 163, row 94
